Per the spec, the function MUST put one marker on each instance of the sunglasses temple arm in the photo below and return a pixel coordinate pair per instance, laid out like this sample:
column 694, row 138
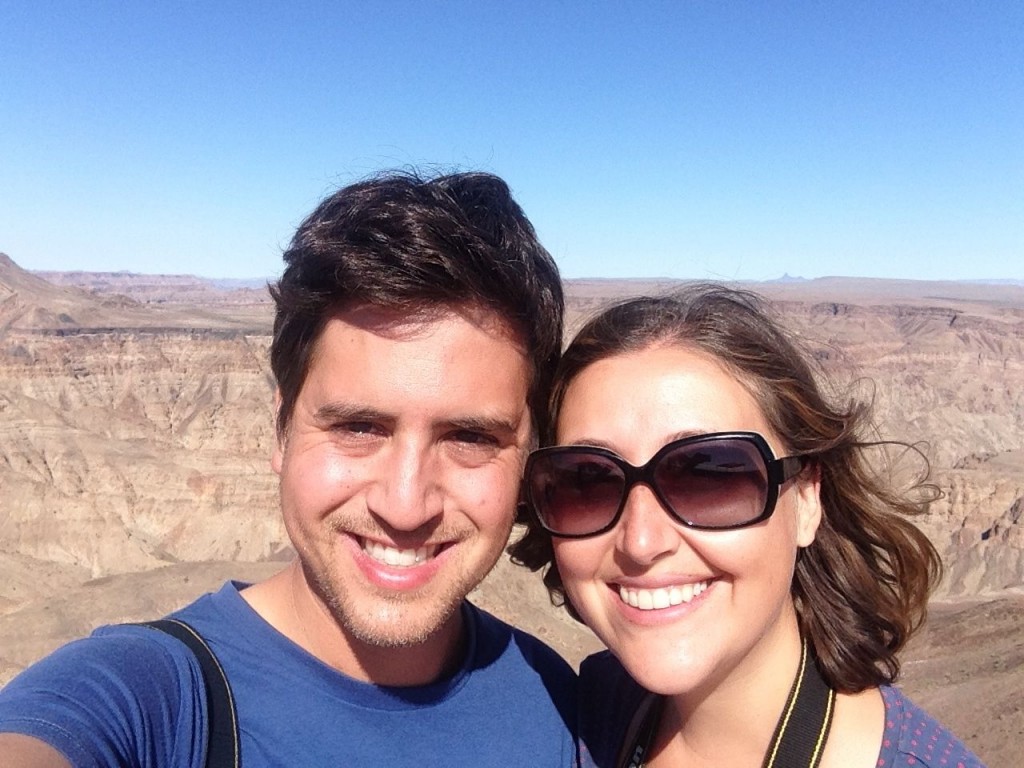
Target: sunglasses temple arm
column 790, row 467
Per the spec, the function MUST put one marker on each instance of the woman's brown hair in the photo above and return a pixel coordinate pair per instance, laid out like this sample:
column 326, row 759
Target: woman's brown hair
column 861, row 588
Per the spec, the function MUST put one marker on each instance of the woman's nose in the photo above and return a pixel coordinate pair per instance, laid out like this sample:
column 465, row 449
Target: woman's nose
column 646, row 532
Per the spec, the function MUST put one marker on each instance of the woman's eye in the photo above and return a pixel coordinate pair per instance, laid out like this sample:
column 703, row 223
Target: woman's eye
column 592, row 471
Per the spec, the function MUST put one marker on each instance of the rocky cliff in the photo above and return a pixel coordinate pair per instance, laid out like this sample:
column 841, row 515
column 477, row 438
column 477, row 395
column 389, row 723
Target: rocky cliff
column 137, row 428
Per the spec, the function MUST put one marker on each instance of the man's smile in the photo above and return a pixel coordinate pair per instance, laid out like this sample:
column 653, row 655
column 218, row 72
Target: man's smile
column 402, row 558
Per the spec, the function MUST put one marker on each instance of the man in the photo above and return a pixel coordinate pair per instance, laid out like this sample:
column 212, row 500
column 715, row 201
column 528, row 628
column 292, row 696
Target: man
column 417, row 326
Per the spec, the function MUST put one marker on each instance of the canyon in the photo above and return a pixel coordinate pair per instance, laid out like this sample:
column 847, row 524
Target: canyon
column 136, row 415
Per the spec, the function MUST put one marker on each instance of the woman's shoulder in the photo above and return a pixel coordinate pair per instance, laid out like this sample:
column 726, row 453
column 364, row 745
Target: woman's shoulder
column 604, row 682
column 609, row 700
column 912, row 732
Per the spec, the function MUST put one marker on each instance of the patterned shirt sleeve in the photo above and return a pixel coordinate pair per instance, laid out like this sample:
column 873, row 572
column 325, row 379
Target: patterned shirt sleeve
column 913, row 737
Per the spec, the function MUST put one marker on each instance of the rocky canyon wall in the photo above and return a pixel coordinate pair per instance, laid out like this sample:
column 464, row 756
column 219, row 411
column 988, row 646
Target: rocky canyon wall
column 136, row 430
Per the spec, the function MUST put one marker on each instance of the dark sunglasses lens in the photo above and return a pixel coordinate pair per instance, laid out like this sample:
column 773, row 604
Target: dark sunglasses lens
column 575, row 492
column 715, row 484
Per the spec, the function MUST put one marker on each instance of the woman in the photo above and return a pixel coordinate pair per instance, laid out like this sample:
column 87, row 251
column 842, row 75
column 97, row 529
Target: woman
column 715, row 521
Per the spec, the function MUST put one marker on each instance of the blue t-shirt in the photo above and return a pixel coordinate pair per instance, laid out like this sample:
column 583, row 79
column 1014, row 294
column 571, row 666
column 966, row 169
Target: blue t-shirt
column 131, row 696
column 609, row 698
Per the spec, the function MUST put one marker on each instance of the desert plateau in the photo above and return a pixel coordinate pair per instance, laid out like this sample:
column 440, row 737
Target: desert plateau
column 136, row 415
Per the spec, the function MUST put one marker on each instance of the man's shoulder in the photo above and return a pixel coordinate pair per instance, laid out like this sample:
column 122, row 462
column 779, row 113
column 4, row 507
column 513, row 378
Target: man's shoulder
column 222, row 606
column 912, row 732
column 126, row 651
column 125, row 690
column 493, row 635
column 117, row 654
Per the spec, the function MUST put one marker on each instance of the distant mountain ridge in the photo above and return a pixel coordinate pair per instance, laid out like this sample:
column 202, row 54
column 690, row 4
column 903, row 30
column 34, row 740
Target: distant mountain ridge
column 177, row 287
column 30, row 301
column 165, row 289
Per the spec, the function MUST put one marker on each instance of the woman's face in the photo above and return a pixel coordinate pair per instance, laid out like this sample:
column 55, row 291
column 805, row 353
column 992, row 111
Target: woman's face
column 736, row 612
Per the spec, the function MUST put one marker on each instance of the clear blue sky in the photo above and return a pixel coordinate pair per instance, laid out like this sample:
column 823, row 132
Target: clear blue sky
column 685, row 139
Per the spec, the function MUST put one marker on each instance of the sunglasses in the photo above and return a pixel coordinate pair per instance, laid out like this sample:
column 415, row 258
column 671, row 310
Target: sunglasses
column 713, row 482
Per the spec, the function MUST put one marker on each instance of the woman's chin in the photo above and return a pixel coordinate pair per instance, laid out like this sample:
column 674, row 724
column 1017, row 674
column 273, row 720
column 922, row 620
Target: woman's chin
column 663, row 672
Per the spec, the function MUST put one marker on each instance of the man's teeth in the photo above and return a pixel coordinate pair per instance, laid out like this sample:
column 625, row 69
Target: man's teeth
column 400, row 557
column 653, row 599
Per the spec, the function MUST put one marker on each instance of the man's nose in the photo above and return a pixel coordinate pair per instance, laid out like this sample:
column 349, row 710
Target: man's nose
column 408, row 492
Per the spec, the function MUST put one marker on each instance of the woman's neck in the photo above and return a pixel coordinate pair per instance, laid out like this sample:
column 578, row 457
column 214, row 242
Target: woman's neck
column 730, row 719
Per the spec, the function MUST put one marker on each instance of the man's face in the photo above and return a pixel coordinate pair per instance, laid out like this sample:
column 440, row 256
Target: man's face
column 400, row 466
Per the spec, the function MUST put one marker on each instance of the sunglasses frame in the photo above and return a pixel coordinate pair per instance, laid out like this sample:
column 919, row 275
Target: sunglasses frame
column 779, row 472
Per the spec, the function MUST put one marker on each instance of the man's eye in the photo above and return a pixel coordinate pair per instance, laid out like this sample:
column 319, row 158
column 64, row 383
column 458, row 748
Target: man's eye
column 470, row 437
column 356, row 427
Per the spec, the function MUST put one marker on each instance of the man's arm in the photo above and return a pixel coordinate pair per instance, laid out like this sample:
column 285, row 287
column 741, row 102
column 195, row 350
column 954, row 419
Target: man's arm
column 17, row 751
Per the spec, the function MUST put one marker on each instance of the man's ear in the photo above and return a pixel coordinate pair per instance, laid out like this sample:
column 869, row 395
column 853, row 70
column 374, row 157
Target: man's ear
column 277, row 457
column 808, row 500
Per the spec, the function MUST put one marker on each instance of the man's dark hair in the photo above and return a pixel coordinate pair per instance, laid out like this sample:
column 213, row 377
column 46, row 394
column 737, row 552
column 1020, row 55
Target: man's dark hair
column 408, row 243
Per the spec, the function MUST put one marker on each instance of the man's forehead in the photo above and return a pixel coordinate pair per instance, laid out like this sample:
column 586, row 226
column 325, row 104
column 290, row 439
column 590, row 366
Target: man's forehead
column 462, row 363
column 408, row 323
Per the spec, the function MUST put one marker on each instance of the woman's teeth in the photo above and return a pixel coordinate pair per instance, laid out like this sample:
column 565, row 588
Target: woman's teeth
column 403, row 558
column 665, row 597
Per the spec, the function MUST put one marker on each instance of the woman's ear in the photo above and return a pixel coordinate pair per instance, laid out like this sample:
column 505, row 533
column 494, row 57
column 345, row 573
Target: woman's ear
column 808, row 500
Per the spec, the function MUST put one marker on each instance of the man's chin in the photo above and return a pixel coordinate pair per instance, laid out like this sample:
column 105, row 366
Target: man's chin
column 393, row 626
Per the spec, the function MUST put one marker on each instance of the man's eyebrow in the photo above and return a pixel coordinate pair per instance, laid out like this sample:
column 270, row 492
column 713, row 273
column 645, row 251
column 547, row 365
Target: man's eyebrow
column 336, row 412
column 350, row 412
column 484, row 424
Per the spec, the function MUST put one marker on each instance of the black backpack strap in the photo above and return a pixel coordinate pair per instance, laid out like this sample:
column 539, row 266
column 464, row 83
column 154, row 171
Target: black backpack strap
column 222, row 723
